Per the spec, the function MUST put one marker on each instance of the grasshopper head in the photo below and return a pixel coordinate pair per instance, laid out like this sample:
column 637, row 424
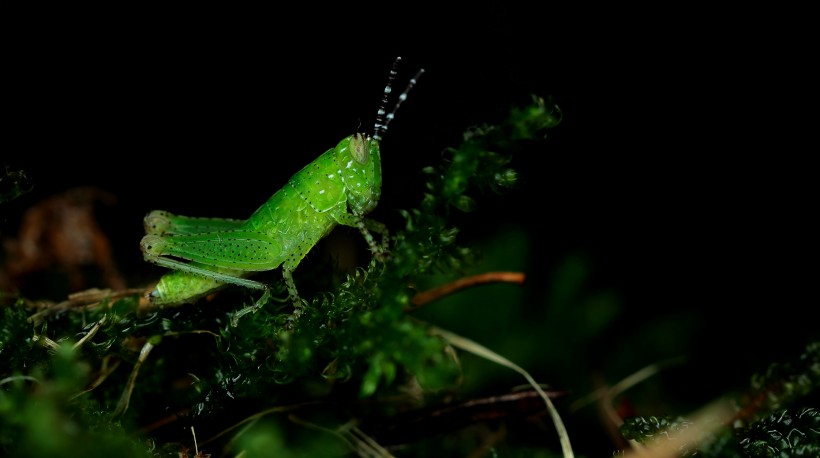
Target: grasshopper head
column 359, row 158
column 359, row 161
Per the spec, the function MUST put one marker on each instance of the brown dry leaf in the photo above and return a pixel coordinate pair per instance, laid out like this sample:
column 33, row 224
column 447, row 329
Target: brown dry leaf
column 61, row 233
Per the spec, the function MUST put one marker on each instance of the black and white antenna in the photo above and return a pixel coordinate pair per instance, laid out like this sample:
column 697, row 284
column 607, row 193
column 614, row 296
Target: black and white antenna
column 382, row 117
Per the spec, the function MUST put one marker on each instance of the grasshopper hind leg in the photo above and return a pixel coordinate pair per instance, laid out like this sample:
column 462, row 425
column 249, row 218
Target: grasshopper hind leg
column 267, row 296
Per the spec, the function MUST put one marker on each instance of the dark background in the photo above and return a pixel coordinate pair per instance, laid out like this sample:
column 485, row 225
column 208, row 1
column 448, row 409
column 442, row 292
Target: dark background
column 679, row 169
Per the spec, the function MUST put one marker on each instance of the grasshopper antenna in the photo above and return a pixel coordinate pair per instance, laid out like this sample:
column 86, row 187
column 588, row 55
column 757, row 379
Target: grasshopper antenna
column 382, row 117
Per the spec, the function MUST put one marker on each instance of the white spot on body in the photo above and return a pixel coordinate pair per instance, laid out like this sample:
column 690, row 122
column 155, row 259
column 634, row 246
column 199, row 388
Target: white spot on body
column 322, row 191
column 349, row 164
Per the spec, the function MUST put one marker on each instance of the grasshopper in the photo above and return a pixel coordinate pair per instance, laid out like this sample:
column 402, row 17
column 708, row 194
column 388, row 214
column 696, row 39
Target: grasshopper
column 339, row 187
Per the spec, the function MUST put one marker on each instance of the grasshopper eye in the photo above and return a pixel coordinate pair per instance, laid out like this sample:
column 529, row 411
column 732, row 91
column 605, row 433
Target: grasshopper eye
column 358, row 148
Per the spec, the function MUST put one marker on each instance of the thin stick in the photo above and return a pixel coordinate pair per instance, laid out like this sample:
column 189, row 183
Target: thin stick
column 430, row 295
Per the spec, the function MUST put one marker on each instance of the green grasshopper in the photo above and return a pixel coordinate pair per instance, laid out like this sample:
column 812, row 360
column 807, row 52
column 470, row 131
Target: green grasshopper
column 206, row 254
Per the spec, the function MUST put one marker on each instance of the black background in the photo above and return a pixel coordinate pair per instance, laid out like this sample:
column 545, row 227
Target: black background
column 679, row 168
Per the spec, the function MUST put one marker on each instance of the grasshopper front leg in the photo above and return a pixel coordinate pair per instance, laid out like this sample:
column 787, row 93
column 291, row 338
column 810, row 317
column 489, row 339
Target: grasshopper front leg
column 365, row 225
column 380, row 252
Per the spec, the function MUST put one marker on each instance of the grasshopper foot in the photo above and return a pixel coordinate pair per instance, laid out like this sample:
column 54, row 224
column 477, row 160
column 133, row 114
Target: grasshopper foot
column 298, row 307
column 251, row 308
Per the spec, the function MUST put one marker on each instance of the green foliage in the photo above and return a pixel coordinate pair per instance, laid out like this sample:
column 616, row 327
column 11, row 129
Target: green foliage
column 783, row 384
column 85, row 373
column 648, row 429
column 784, row 433
column 39, row 416
column 481, row 160
column 13, row 184
column 16, row 349
column 771, row 430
